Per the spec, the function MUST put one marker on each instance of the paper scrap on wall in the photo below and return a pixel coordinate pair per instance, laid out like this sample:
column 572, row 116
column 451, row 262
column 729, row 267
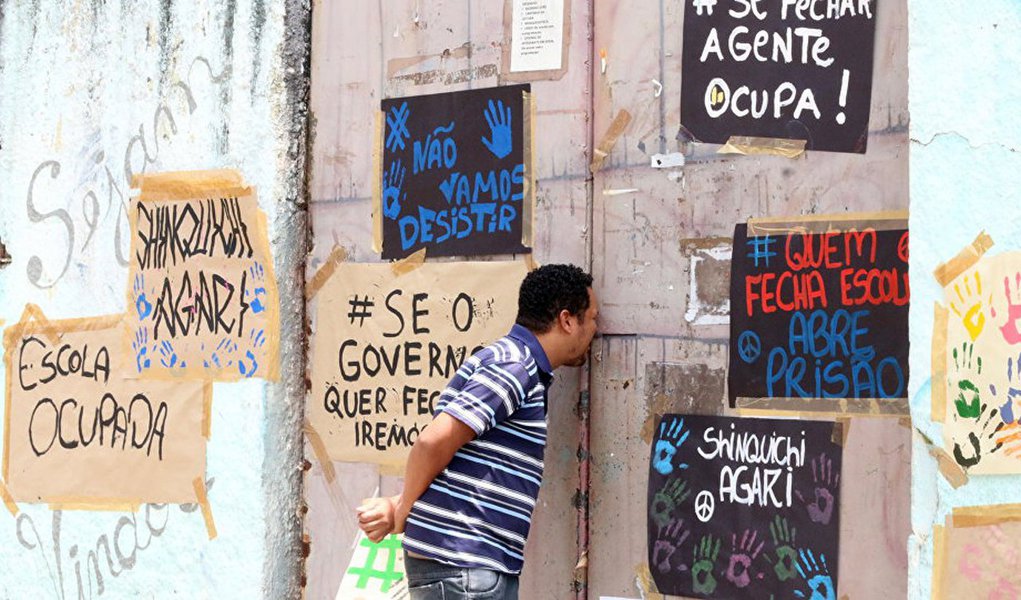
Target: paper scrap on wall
column 385, row 344
column 979, row 561
column 537, row 35
column 744, row 508
column 455, row 178
column 76, row 431
column 790, row 69
column 202, row 296
column 820, row 316
column 982, row 427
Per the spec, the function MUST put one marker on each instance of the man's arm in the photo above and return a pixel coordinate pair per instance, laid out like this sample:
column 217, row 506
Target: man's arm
column 431, row 453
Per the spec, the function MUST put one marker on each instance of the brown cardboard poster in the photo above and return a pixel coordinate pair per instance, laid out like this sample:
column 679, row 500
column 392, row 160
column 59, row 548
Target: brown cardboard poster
column 978, row 561
column 982, row 427
column 388, row 338
column 202, row 296
column 77, row 432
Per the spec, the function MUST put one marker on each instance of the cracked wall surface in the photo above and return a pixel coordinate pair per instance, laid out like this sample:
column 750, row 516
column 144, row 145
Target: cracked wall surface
column 965, row 177
column 90, row 94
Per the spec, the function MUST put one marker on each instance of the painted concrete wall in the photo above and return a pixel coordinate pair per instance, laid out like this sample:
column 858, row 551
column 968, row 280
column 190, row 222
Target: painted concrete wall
column 965, row 177
column 91, row 93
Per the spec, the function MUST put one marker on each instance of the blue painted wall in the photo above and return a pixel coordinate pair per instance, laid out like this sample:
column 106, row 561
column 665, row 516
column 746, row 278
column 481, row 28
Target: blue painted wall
column 965, row 178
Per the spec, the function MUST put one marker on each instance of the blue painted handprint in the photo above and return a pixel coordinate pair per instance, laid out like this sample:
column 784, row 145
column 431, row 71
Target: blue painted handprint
column 249, row 365
column 393, row 181
column 167, row 355
column 671, row 436
column 258, row 275
column 499, row 119
column 226, row 348
column 1009, row 410
column 142, row 305
column 817, row 575
column 141, row 348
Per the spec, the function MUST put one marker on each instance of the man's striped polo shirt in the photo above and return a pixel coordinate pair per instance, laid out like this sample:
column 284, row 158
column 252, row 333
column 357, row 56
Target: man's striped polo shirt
column 477, row 512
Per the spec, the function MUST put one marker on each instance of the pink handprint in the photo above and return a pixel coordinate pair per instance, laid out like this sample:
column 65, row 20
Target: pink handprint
column 820, row 508
column 741, row 557
column 668, row 539
column 1009, row 329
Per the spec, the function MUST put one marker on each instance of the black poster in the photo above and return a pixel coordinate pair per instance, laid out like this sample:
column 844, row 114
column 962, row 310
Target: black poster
column 794, row 69
column 745, row 508
column 819, row 315
column 454, row 173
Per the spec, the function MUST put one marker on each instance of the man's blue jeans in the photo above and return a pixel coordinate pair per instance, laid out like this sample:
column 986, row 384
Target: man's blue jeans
column 430, row 580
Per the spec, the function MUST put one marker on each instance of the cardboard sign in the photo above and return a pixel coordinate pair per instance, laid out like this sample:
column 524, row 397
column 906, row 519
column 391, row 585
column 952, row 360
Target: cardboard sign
column 744, row 508
column 455, row 179
column 77, row 431
column 385, row 344
column 779, row 69
column 978, row 560
column 202, row 296
column 820, row 315
column 982, row 429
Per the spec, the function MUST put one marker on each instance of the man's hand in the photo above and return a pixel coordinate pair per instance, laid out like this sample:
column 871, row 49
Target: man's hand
column 376, row 517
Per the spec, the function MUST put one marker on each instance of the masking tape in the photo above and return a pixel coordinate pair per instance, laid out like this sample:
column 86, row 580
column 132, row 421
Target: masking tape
column 948, row 467
column 965, row 259
column 646, row 585
column 175, row 181
column 841, row 429
column 840, row 222
column 528, row 206
column 392, row 470
column 184, row 193
column 207, row 410
column 319, row 449
column 617, row 127
column 742, row 144
column 409, row 263
column 377, row 185
column 5, row 495
column 824, row 407
column 939, row 559
column 207, row 512
column 530, row 262
column 337, row 256
column 980, row 516
column 939, row 362
column 97, row 505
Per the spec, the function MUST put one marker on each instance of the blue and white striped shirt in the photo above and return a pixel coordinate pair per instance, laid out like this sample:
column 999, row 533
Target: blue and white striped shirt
column 477, row 512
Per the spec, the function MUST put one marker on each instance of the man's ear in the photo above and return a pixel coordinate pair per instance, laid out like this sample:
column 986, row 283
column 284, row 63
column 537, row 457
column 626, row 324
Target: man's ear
column 564, row 320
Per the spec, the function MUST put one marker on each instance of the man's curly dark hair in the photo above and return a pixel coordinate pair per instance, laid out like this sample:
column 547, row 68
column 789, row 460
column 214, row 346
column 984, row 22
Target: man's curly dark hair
column 550, row 289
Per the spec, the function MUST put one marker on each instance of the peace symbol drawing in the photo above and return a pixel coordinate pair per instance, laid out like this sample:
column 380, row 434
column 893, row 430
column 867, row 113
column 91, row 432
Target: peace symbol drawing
column 705, row 506
column 749, row 346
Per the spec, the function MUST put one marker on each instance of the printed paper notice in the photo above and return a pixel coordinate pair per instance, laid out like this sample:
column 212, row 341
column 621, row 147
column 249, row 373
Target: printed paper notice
column 537, row 36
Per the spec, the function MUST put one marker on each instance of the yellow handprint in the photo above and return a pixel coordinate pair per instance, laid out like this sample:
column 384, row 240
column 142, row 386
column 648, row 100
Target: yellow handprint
column 968, row 306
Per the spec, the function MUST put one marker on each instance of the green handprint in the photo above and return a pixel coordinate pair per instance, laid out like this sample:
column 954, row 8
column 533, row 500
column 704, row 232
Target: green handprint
column 784, row 538
column 968, row 401
column 667, row 499
column 702, row 579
